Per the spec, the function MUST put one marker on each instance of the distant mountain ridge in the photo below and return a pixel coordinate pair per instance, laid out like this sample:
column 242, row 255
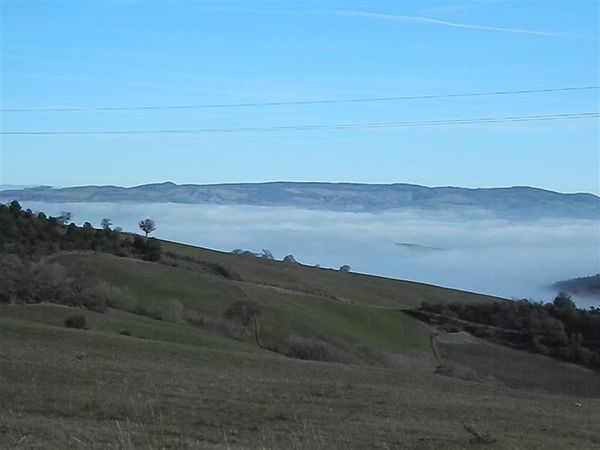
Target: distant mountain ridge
column 519, row 202
column 584, row 286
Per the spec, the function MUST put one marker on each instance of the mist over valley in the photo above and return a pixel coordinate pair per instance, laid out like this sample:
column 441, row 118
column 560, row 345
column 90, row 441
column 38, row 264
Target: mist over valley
column 470, row 250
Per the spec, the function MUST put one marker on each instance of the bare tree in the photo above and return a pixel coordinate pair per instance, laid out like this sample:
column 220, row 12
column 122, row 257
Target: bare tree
column 65, row 217
column 105, row 223
column 245, row 311
column 266, row 254
column 147, row 226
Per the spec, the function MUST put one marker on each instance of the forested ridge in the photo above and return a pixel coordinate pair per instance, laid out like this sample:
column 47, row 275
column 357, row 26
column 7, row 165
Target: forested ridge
column 27, row 274
column 31, row 235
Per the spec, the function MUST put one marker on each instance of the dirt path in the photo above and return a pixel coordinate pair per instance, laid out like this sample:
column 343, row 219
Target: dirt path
column 434, row 348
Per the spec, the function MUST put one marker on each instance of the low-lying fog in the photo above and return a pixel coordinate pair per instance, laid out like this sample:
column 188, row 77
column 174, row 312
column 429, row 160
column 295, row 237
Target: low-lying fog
column 508, row 259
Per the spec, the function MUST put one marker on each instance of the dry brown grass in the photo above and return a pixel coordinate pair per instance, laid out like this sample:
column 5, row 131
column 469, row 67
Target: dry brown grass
column 128, row 393
column 171, row 385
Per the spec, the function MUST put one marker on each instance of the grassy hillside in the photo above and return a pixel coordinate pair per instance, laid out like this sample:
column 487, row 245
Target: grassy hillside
column 357, row 314
column 130, row 381
column 366, row 289
column 118, row 322
column 88, row 389
column 355, row 329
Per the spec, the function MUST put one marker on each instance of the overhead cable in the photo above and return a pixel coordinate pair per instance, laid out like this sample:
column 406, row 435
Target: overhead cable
column 294, row 102
column 309, row 127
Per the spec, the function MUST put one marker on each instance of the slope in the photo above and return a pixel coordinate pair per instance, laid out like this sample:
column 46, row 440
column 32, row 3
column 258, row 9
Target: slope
column 196, row 385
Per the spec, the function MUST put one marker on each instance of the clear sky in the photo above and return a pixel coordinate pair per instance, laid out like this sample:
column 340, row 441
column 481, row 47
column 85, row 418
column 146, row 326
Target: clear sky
column 139, row 53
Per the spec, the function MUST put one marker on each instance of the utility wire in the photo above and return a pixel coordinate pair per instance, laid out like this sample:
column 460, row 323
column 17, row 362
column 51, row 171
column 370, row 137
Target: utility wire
column 505, row 119
column 297, row 102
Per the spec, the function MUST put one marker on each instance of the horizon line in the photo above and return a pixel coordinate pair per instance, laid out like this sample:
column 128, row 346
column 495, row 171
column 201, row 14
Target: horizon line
column 233, row 183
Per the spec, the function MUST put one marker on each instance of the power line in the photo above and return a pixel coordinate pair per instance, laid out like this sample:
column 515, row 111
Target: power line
column 505, row 119
column 296, row 102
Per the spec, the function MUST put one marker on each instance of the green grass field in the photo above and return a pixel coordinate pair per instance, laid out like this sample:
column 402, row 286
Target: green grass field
column 175, row 386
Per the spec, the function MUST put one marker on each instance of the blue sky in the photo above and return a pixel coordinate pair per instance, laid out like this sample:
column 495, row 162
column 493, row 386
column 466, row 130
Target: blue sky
column 135, row 53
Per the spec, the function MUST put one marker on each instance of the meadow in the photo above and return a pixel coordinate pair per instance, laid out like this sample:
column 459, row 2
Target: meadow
column 130, row 381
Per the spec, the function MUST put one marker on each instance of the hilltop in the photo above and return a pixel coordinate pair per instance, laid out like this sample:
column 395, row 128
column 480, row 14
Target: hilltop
column 510, row 203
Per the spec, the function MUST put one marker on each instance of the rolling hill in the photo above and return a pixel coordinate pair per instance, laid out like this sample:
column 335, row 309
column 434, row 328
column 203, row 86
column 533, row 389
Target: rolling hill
column 131, row 381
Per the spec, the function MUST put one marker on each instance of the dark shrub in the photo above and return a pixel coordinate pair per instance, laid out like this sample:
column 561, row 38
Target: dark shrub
column 148, row 249
column 153, row 250
column 171, row 311
column 95, row 303
column 222, row 271
column 314, row 351
column 109, row 295
column 75, row 322
column 290, row 259
column 152, row 313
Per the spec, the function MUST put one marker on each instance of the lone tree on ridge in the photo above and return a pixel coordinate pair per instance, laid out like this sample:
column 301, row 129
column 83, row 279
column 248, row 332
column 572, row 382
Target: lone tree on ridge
column 147, row 226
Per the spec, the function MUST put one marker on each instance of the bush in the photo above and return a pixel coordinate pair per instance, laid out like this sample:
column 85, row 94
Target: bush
column 88, row 298
column 290, row 259
column 115, row 297
column 100, row 296
column 152, row 313
column 78, row 322
column 224, row 328
column 172, row 311
column 94, row 303
column 222, row 271
column 308, row 350
column 47, row 283
column 149, row 249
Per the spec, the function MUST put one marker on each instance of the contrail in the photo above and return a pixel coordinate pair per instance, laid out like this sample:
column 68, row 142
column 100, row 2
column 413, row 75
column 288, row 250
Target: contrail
column 432, row 21
column 400, row 18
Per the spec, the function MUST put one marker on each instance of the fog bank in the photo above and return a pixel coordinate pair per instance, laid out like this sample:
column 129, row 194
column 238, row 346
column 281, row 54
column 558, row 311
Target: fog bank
column 499, row 257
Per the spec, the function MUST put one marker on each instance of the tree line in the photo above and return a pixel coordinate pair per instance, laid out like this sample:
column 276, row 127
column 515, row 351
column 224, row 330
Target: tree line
column 558, row 329
column 26, row 276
